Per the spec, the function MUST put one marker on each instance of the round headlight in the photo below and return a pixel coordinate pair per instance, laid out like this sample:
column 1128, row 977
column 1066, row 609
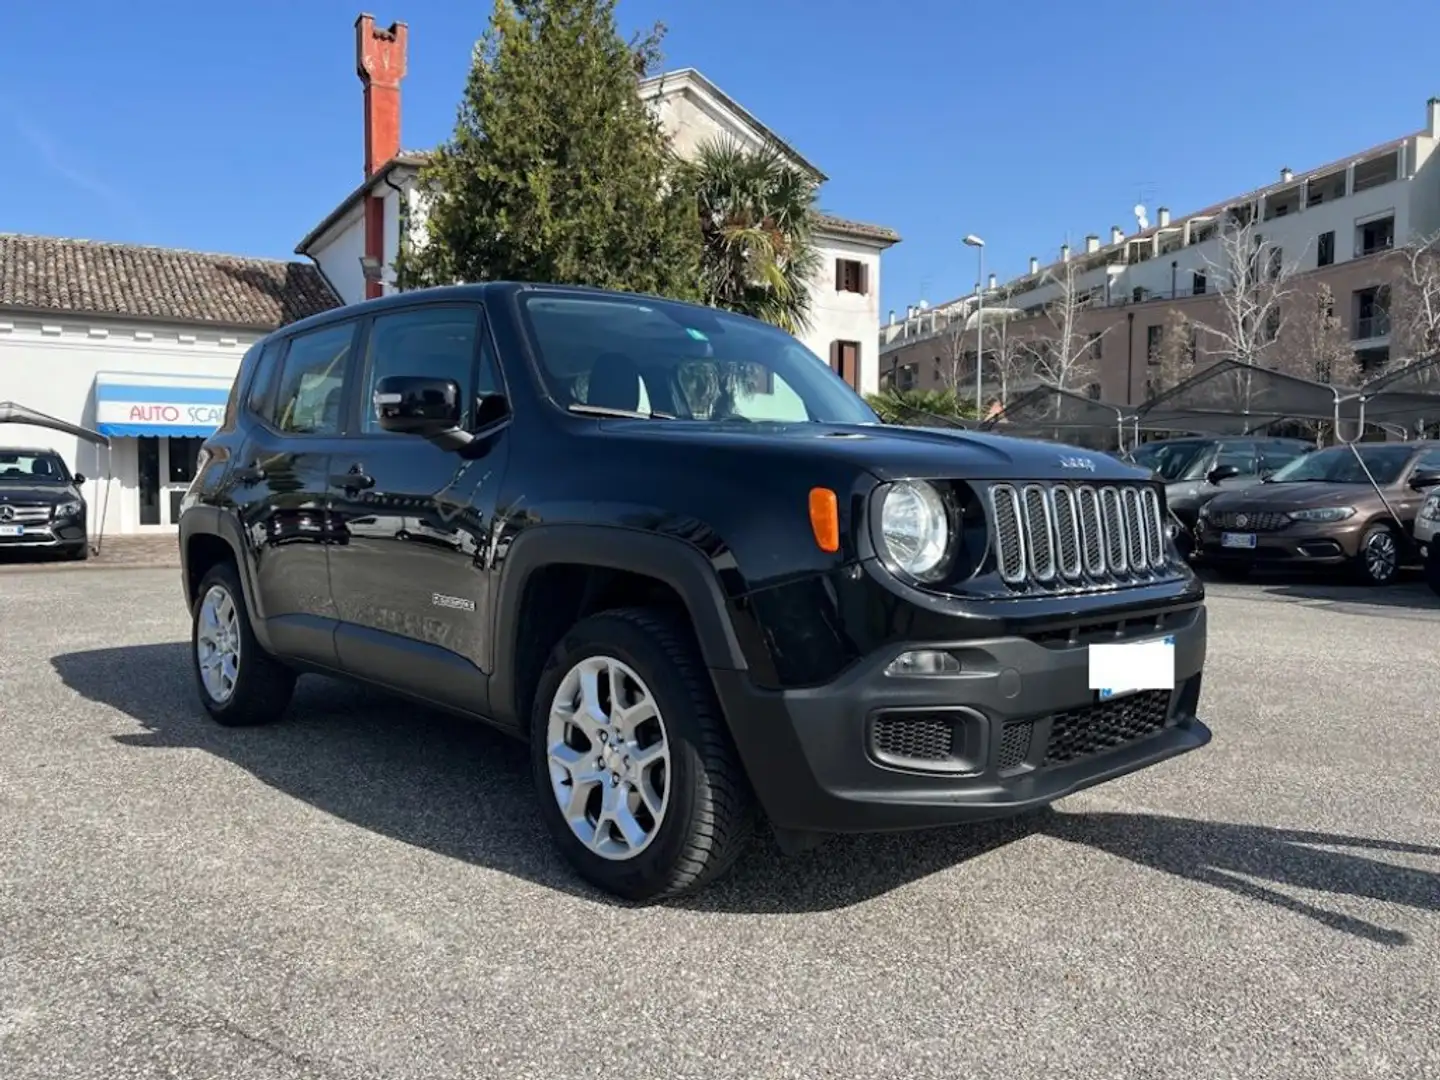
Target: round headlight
column 915, row 528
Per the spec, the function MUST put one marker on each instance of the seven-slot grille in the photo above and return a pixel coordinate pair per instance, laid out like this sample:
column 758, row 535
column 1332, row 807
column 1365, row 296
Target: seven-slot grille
column 1060, row 535
column 1250, row 521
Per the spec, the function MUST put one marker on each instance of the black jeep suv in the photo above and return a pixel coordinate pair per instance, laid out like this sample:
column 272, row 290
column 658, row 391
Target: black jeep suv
column 670, row 548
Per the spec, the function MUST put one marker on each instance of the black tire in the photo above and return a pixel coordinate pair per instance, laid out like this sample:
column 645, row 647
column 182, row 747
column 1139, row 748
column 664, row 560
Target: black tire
column 78, row 554
column 263, row 686
column 1370, row 566
column 710, row 814
column 1432, row 568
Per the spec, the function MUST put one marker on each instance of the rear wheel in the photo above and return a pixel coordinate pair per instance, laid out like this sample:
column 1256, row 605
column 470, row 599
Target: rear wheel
column 240, row 684
column 1377, row 560
column 639, row 783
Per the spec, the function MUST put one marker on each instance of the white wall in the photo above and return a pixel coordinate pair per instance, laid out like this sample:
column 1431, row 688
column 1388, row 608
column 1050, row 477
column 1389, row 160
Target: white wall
column 49, row 364
column 338, row 253
column 846, row 316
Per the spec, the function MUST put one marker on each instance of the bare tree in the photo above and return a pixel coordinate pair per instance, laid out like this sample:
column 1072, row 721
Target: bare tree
column 952, row 345
column 1254, row 283
column 1178, row 345
column 1066, row 356
column 1011, row 362
column 1313, row 344
column 1415, row 299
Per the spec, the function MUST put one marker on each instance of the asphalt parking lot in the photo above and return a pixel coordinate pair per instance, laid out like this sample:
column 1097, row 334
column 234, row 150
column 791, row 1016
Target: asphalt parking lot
column 364, row 891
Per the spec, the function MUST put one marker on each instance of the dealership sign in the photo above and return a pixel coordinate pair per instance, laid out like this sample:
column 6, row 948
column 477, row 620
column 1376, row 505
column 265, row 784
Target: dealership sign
column 130, row 404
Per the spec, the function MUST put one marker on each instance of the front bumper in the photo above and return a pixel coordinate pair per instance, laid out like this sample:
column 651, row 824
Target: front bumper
column 1017, row 729
column 1300, row 543
column 42, row 535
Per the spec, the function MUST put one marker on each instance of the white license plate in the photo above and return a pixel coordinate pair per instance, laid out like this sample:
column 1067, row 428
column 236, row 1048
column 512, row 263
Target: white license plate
column 1131, row 666
column 1237, row 540
column 12, row 530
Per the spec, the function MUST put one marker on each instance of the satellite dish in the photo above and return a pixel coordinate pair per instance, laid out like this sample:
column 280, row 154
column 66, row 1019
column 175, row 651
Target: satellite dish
column 1140, row 218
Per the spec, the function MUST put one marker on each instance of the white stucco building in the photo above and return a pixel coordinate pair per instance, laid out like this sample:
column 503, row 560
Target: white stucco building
column 356, row 244
column 140, row 344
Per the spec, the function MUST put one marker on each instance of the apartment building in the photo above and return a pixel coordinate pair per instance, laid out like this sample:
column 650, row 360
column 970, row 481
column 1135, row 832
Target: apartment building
column 1334, row 224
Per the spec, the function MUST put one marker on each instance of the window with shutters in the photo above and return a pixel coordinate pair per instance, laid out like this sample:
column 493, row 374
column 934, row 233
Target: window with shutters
column 851, row 275
column 845, row 359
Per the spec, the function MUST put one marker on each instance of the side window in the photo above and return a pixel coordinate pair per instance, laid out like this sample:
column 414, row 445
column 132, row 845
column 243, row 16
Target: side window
column 1278, row 454
column 437, row 341
column 1241, row 455
column 263, row 381
column 1429, row 461
column 312, row 380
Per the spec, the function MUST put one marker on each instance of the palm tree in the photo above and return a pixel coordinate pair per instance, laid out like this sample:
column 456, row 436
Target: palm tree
column 756, row 212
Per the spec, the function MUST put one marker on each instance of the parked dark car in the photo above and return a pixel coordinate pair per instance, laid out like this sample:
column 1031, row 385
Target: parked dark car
column 1327, row 509
column 41, row 509
column 671, row 549
column 1195, row 470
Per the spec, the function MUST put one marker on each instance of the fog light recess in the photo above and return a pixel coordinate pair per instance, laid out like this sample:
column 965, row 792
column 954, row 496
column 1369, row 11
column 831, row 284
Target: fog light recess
column 924, row 662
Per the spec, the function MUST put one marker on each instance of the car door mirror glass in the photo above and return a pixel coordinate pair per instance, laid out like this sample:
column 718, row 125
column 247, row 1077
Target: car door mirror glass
column 1222, row 472
column 79, row 478
column 421, row 405
column 1425, row 478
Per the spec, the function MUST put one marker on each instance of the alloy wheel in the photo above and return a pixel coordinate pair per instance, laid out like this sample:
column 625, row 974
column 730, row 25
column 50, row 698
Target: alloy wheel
column 609, row 757
column 1381, row 557
column 217, row 643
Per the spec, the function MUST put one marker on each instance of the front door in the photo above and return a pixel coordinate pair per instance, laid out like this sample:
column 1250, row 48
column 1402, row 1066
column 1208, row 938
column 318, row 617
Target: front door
column 281, row 494
column 411, row 581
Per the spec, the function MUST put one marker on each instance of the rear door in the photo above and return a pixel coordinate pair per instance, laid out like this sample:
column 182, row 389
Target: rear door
column 412, row 582
column 281, row 486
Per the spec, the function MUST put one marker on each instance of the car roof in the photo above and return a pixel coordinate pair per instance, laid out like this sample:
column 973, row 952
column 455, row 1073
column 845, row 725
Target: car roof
column 31, row 450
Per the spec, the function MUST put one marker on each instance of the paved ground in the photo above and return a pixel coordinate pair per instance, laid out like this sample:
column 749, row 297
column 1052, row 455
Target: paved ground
column 364, row 892
column 159, row 550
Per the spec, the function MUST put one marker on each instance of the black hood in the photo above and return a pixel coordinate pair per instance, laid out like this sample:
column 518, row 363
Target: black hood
column 891, row 451
column 31, row 494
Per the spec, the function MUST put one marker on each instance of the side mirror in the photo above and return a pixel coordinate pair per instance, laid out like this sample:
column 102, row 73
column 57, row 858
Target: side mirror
column 79, row 478
column 1222, row 472
column 1421, row 479
column 422, row 405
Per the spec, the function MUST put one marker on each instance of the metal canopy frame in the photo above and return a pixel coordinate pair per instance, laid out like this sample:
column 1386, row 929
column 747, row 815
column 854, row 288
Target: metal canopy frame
column 12, row 412
column 1049, row 408
column 1408, row 398
column 1232, row 397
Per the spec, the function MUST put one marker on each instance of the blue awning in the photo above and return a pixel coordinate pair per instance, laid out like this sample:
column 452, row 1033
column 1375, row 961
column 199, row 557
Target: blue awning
column 131, row 404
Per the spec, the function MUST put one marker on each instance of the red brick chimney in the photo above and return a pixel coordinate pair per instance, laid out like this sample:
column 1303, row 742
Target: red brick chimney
column 380, row 63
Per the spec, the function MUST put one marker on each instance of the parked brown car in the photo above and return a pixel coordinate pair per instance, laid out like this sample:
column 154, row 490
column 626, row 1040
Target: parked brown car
column 1322, row 510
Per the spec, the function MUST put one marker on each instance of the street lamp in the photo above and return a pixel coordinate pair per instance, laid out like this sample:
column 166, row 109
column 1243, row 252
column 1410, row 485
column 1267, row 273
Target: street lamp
column 979, row 245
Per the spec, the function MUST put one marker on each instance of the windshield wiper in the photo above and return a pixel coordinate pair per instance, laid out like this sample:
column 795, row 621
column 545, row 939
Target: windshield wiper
column 630, row 414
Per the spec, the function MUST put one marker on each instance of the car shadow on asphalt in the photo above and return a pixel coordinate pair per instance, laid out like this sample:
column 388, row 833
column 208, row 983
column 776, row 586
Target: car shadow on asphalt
column 465, row 792
column 1409, row 593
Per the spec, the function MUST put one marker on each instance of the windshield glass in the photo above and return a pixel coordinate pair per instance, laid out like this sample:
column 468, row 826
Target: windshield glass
column 1337, row 465
column 1171, row 460
column 656, row 357
column 30, row 467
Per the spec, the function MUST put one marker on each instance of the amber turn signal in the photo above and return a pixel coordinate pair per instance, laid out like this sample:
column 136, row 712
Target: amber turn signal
column 825, row 518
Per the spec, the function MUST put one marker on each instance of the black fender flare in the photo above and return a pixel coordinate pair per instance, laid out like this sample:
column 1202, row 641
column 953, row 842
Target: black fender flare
column 676, row 562
column 223, row 524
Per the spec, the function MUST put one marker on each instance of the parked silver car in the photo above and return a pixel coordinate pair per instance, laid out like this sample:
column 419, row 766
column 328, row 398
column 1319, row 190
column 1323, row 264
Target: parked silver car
column 1427, row 538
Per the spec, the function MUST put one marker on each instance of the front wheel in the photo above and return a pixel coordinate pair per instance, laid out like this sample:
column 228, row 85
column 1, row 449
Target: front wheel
column 1378, row 559
column 638, row 780
column 240, row 684
column 1432, row 568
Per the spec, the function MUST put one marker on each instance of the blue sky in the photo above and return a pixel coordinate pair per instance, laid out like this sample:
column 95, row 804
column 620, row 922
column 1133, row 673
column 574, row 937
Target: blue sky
column 236, row 127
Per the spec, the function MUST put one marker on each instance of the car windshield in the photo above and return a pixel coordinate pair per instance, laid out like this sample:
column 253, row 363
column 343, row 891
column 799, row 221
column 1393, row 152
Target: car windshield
column 652, row 357
column 1337, row 465
column 1171, row 460
column 31, row 467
